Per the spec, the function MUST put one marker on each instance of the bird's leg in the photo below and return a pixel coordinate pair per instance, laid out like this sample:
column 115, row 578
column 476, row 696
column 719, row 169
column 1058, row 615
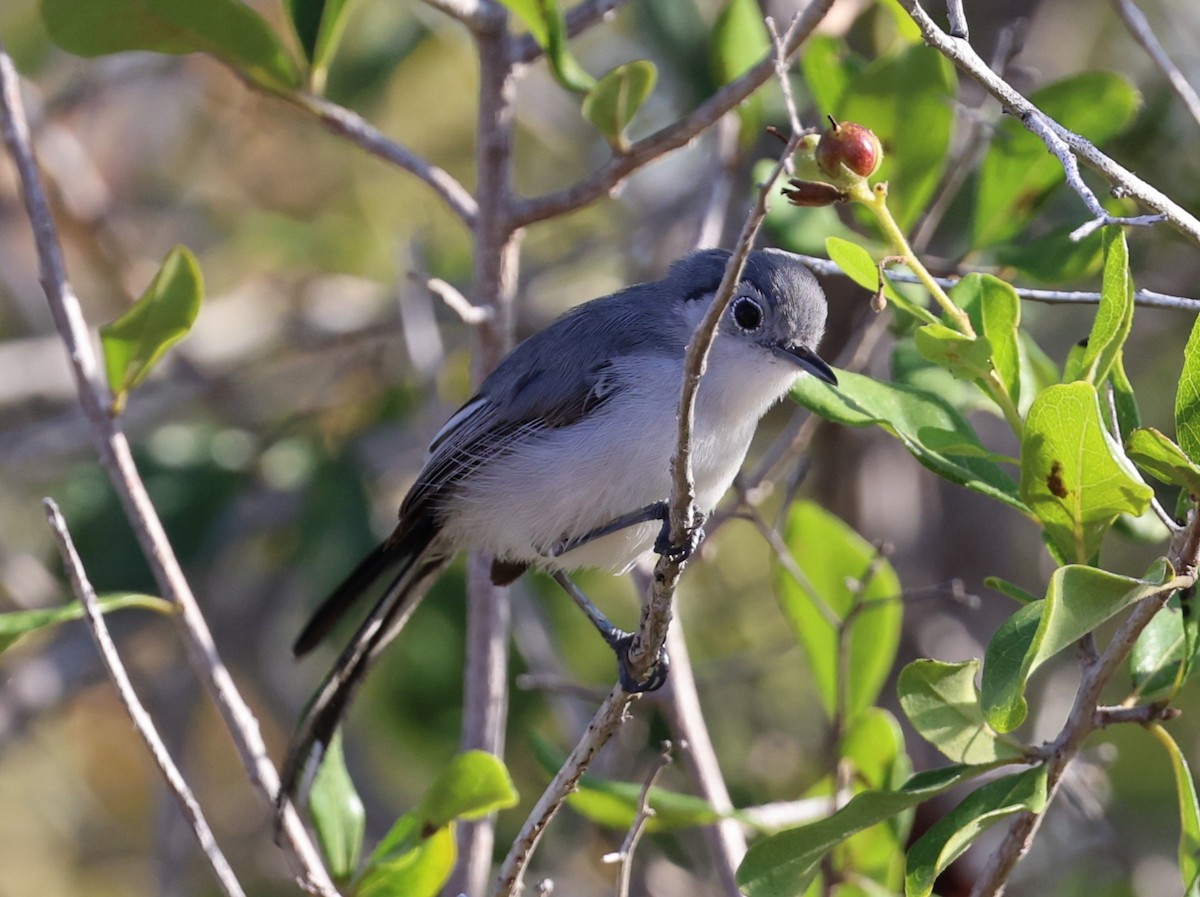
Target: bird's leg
column 618, row 639
column 663, row 545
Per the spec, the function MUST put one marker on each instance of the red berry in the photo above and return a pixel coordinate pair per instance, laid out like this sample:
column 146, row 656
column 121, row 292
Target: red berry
column 851, row 145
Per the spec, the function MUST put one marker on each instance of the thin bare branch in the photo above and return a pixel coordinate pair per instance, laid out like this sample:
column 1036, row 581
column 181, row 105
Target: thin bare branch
column 962, row 55
column 609, row 176
column 365, row 135
column 133, row 706
column 605, row 722
column 117, row 460
column 1136, row 22
column 624, row 855
column 453, row 299
column 782, row 65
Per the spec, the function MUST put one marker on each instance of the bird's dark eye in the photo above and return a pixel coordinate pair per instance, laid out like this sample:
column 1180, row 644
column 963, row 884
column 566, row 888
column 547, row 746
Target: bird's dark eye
column 747, row 313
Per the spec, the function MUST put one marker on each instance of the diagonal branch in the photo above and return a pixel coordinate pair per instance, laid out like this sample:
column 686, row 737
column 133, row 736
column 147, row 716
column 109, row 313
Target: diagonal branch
column 365, row 135
column 117, row 460
column 1135, row 21
column 965, row 58
column 133, row 706
column 604, row 180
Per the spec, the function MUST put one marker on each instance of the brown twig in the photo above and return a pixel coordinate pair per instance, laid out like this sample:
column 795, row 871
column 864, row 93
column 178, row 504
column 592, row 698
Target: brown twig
column 117, row 461
column 624, row 855
column 133, row 706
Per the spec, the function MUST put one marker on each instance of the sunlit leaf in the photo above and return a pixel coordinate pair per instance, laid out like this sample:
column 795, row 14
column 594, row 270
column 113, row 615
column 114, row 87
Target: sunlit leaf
column 410, row 862
column 227, row 29
column 947, row 838
column 857, row 264
column 942, row 703
column 995, row 313
column 1189, row 810
column 1015, row 592
column 966, row 357
column 548, row 25
column 847, row 586
column 1074, row 476
column 337, row 811
column 1114, row 317
column 318, row 25
column 783, row 865
column 15, row 624
column 471, row 785
column 162, row 316
column 1187, row 398
column 912, row 416
column 1078, row 599
column 615, row 99
column 1156, row 454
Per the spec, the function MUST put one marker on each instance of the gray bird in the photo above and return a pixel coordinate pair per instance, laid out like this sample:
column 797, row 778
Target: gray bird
column 562, row 459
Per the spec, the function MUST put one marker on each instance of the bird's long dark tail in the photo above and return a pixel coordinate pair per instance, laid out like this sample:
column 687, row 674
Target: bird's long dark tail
column 405, row 562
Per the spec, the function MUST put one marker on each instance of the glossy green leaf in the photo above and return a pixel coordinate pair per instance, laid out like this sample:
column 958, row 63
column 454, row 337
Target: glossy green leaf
column 1187, row 398
column 1074, row 476
column 1114, row 317
column 15, row 624
column 470, row 786
column 784, row 864
column 1166, row 652
column 942, row 703
column 228, row 30
column 318, row 25
column 1018, row 174
column 337, row 812
column 162, row 316
column 947, row 838
column 1078, row 599
column 1189, row 809
column 857, row 264
column 1129, row 416
column 995, row 313
column 846, row 587
column 907, row 99
column 410, row 862
column 1156, row 454
column 548, row 26
column 912, row 416
column 614, row 100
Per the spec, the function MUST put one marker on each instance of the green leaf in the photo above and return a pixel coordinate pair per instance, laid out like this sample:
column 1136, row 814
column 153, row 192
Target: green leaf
column 739, row 41
column 907, row 99
column 472, row 785
column 1074, row 476
column 966, row 357
column 337, row 811
column 548, row 25
column 226, row 29
column 614, row 100
column 829, row 68
column 160, row 318
column 857, row 264
column 319, row 25
column 1114, row 317
column 1166, row 652
column 1078, row 599
column 410, row 862
column 1129, row 416
column 942, row 702
column 1156, row 454
column 995, row 312
column 836, row 595
column 17, row 623
column 947, row 838
column 1189, row 809
column 1018, row 174
column 1054, row 258
column 873, row 749
column 1187, row 398
column 912, row 416
column 783, row 865
column 1015, row 592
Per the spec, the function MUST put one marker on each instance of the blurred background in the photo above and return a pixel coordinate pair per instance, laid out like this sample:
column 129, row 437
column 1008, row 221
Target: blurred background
column 279, row 437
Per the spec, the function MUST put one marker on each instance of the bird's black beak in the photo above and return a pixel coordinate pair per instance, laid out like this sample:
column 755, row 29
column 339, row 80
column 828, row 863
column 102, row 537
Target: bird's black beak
column 808, row 360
